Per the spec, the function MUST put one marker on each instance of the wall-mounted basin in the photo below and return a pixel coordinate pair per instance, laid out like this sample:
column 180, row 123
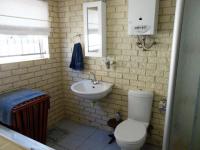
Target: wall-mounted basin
column 86, row 89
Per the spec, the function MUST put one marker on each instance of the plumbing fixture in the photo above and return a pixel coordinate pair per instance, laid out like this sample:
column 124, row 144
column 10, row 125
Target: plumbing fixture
column 163, row 105
column 142, row 42
column 109, row 62
column 94, row 80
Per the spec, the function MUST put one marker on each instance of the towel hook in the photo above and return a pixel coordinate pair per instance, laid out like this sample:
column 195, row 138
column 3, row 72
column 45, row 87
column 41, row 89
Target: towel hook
column 74, row 37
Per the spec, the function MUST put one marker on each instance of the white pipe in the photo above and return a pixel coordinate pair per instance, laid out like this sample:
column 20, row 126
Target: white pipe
column 173, row 71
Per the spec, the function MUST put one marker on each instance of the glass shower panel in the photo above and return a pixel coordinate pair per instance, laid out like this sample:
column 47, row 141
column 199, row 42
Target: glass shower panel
column 195, row 145
column 187, row 82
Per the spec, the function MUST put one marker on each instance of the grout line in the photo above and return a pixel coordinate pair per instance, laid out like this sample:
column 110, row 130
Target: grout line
column 86, row 138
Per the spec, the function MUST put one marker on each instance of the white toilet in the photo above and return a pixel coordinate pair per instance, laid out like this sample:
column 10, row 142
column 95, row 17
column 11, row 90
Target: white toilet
column 131, row 133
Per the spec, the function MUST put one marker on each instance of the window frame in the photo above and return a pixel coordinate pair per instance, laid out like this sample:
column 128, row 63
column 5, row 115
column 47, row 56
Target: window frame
column 36, row 54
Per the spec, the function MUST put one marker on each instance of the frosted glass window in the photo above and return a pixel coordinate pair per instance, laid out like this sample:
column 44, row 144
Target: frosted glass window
column 24, row 30
column 15, row 48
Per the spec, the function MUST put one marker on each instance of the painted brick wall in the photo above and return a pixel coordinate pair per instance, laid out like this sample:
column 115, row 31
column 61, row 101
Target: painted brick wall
column 135, row 69
column 40, row 74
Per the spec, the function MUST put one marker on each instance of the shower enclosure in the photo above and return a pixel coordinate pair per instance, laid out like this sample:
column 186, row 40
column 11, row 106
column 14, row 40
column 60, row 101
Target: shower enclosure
column 182, row 124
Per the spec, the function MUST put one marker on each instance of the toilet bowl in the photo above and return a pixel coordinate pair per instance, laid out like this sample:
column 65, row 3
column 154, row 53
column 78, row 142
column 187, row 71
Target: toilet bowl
column 131, row 133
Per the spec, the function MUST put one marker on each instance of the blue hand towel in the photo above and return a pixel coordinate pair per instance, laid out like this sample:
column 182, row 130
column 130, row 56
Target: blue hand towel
column 11, row 99
column 77, row 58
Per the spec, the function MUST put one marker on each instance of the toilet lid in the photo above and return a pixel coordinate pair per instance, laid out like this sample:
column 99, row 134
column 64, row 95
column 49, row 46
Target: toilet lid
column 130, row 131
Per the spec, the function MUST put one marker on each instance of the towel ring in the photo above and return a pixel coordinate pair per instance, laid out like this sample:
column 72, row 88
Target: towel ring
column 74, row 37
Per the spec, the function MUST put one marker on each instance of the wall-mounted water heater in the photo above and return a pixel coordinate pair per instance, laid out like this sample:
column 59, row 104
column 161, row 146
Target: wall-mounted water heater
column 142, row 17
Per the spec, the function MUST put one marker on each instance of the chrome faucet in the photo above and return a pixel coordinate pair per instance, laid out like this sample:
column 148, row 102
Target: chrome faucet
column 94, row 80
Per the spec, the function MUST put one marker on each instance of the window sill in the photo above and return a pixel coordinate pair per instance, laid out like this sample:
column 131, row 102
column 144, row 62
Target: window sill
column 7, row 60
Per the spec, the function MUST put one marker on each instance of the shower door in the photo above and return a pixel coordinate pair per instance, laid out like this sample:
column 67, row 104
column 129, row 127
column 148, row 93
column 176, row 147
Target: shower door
column 183, row 121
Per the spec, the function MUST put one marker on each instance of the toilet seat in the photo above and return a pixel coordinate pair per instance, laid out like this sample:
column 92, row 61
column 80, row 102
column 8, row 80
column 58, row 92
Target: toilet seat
column 130, row 132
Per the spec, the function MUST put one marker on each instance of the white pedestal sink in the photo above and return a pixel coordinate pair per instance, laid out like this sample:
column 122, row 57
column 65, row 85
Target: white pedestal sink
column 86, row 89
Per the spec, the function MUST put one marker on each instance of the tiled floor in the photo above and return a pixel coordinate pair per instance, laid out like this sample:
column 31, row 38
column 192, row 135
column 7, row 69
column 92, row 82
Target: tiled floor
column 68, row 135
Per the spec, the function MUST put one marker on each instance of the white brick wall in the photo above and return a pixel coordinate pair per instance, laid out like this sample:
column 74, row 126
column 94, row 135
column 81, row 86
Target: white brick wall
column 135, row 69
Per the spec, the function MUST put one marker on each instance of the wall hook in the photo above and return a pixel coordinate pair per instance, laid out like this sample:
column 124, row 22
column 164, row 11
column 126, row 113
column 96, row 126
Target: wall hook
column 75, row 37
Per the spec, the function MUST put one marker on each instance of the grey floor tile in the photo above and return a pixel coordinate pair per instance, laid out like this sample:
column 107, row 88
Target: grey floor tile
column 75, row 128
column 56, row 134
column 67, row 125
column 150, row 147
column 57, row 147
column 68, row 135
column 112, row 146
column 97, row 141
column 50, row 142
column 71, row 141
